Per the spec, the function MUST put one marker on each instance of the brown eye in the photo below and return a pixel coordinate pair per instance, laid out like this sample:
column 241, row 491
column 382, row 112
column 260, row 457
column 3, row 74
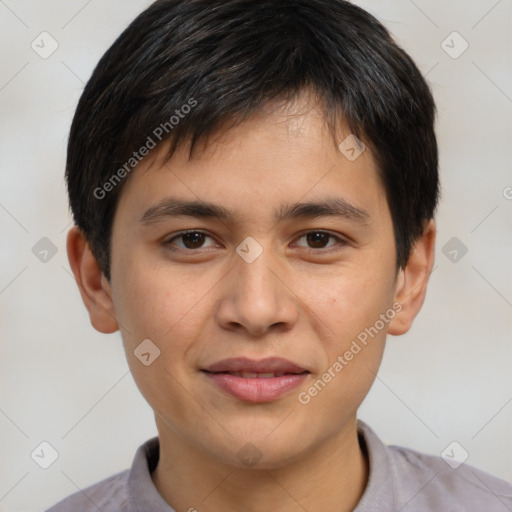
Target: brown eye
column 193, row 240
column 320, row 240
column 188, row 240
column 317, row 240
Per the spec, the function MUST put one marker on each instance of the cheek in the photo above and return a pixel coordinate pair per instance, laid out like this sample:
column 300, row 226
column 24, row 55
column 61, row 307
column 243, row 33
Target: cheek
column 165, row 309
column 347, row 301
column 353, row 338
column 349, row 306
column 157, row 304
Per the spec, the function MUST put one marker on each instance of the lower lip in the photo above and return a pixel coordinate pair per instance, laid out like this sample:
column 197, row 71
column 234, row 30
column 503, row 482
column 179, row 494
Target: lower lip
column 257, row 390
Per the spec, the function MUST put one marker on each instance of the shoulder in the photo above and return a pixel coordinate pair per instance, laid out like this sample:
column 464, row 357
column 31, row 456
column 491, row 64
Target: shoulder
column 108, row 495
column 428, row 482
column 411, row 481
column 126, row 491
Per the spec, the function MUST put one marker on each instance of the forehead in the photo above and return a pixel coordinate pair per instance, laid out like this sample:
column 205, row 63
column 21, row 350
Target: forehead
column 261, row 166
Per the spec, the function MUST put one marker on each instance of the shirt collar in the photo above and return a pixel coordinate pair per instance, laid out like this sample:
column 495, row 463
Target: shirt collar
column 142, row 491
column 379, row 494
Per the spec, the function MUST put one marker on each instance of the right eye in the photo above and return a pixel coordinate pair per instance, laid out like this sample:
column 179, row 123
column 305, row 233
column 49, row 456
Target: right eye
column 190, row 240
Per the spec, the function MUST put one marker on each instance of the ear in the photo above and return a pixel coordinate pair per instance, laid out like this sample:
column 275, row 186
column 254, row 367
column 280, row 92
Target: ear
column 411, row 284
column 94, row 287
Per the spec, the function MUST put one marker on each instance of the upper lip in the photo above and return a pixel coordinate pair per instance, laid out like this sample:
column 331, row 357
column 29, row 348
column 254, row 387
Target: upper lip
column 244, row 364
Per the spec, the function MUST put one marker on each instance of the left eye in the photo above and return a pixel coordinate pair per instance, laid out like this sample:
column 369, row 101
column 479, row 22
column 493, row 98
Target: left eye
column 319, row 239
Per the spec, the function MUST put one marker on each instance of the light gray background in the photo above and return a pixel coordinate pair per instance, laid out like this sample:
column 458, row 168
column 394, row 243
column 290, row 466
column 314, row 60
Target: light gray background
column 449, row 378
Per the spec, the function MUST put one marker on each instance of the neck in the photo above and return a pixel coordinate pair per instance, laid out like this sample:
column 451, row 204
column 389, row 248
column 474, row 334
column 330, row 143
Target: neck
column 331, row 477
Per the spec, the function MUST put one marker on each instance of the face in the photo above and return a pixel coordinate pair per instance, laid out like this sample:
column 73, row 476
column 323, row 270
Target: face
column 256, row 276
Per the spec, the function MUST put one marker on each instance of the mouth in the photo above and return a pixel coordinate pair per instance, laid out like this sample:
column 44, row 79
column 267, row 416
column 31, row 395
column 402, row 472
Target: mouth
column 257, row 375
column 256, row 381
column 276, row 366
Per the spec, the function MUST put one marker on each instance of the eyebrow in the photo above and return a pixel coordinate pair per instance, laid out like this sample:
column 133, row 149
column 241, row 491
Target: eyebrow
column 335, row 207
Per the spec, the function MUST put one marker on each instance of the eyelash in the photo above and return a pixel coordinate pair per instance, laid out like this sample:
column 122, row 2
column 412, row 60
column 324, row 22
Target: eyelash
column 340, row 241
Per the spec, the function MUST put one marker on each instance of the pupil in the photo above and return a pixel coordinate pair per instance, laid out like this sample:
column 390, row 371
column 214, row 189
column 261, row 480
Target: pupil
column 317, row 239
column 193, row 239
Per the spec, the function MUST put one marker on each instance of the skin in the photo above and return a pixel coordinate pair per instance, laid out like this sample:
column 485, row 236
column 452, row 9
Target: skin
column 298, row 300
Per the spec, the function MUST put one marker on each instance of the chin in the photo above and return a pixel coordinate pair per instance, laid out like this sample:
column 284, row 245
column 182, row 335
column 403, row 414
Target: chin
column 261, row 452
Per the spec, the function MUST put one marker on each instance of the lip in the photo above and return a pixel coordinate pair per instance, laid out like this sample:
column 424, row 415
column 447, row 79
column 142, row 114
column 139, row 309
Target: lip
column 245, row 364
column 256, row 389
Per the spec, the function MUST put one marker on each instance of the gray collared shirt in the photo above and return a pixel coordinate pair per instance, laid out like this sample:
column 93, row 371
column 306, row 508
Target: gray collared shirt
column 400, row 479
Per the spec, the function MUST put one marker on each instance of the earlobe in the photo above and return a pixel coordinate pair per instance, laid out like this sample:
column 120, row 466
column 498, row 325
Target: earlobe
column 94, row 287
column 411, row 284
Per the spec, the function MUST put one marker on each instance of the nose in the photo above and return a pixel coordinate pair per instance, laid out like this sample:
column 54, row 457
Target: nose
column 257, row 297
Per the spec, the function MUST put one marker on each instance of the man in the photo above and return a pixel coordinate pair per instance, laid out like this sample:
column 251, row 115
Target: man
column 254, row 185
